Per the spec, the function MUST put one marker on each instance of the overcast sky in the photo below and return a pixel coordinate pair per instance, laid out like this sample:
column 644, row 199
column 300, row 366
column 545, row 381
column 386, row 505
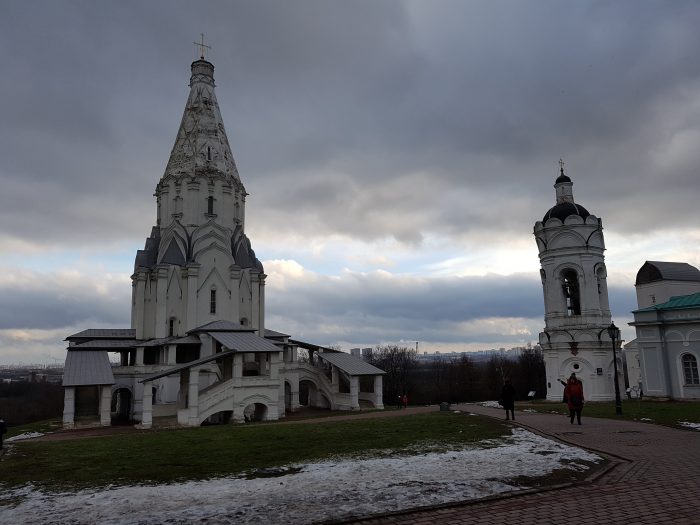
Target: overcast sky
column 397, row 155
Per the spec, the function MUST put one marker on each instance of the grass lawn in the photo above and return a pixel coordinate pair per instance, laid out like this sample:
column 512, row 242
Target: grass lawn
column 205, row 452
column 667, row 413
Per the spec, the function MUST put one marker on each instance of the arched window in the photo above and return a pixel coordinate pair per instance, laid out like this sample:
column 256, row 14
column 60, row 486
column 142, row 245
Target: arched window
column 212, row 301
column 244, row 321
column 208, row 153
column 690, row 370
column 210, row 205
column 571, row 292
column 171, row 327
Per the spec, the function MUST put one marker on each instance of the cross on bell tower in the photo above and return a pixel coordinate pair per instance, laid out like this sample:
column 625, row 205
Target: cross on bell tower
column 202, row 47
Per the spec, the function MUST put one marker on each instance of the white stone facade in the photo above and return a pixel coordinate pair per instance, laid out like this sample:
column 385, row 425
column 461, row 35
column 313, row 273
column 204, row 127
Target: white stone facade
column 198, row 350
column 577, row 312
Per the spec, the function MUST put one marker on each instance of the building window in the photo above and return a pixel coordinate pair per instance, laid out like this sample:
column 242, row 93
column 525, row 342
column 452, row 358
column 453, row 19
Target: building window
column 171, row 327
column 208, row 153
column 690, row 370
column 210, row 205
column 212, row 302
column 571, row 292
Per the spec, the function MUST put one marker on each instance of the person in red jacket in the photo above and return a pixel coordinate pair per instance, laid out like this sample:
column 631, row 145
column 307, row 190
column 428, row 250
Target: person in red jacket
column 573, row 392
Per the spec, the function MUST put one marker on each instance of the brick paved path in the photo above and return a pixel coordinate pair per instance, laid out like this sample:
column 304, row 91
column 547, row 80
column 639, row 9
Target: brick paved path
column 656, row 479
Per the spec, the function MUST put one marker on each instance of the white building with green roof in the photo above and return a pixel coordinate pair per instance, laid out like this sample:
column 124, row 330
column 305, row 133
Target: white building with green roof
column 667, row 346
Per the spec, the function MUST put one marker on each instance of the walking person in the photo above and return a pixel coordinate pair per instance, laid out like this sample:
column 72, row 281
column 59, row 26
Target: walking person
column 573, row 393
column 405, row 401
column 508, row 398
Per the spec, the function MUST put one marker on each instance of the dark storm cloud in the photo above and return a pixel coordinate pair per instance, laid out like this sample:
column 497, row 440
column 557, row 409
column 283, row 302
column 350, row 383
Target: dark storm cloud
column 49, row 303
column 365, row 307
column 479, row 99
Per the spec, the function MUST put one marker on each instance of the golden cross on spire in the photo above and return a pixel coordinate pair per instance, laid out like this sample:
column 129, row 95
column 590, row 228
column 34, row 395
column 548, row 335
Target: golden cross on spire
column 561, row 165
column 202, row 47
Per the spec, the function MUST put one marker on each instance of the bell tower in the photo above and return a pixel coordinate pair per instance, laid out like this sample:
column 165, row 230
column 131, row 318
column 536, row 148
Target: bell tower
column 574, row 283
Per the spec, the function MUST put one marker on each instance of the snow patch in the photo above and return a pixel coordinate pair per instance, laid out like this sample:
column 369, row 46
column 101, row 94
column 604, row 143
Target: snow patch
column 688, row 424
column 312, row 492
column 26, row 435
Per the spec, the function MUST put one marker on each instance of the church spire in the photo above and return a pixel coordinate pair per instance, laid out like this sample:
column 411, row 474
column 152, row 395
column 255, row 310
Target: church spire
column 201, row 146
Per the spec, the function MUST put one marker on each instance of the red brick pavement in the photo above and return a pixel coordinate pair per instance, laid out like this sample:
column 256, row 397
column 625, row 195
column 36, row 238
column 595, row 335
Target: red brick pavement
column 656, row 480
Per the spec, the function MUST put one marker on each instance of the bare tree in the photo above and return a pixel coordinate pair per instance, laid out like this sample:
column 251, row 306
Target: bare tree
column 398, row 363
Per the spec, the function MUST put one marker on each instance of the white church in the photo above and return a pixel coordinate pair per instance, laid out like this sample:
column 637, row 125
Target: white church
column 198, row 350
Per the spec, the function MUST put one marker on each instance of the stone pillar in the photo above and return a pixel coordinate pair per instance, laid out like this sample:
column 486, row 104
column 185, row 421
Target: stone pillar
column 237, row 366
column 140, row 303
column 106, row 405
column 192, row 274
column 207, row 346
column 147, row 408
column 139, row 356
column 193, row 397
column 69, row 407
column 354, row 392
column 334, row 379
column 378, row 394
column 171, row 353
column 261, row 305
column 235, row 274
column 255, row 302
column 274, row 364
column 161, row 328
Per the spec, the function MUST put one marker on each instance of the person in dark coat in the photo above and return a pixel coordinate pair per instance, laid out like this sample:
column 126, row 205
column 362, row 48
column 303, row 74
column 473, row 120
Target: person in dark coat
column 573, row 393
column 508, row 398
column 3, row 430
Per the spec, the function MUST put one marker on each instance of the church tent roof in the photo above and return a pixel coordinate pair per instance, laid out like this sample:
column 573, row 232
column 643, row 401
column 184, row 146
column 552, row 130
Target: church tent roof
column 245, row 342
column 350, row 364
column 87, row 368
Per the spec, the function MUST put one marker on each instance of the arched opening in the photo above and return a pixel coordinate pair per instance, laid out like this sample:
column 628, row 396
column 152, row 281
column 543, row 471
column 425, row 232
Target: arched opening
column 254, row 412
column 121, row 406
column 210, row 205
column 690, row 370
column 220, row 418
column 572, row 295
column 244, row 321
column 212, row 301
column 307, row 393
column 287, row 397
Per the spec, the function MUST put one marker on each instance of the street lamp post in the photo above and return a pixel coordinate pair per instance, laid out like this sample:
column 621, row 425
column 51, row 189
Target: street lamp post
column 614, row 333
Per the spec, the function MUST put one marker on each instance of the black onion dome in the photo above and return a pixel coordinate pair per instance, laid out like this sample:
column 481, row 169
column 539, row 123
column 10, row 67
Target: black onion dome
column 562, row 178
column 562, row 210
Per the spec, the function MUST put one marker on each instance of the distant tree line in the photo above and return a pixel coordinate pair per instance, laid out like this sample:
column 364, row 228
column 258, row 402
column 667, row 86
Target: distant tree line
column 25, row 402
column 456, row 379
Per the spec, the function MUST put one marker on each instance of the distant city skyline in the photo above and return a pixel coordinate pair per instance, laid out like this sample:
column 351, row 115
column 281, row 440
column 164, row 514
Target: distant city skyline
column 397, row 155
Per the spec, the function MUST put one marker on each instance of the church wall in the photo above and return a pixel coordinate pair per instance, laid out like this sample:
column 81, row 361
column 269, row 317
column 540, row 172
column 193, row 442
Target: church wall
column 661, row 291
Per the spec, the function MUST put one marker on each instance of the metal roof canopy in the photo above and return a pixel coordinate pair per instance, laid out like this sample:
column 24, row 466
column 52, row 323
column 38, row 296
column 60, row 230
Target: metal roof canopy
column 185, row 366
column 351, row 365
column 245, row 342
column 104, row 333
column 652, row 271
column 106, row 344
column 87, row 368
